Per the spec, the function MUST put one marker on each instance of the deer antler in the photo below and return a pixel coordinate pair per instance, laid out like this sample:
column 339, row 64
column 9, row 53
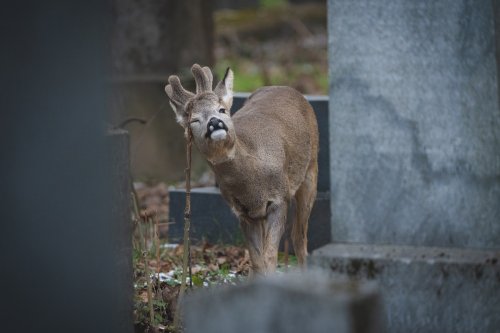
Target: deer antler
column 203, row 77
column 176, row 91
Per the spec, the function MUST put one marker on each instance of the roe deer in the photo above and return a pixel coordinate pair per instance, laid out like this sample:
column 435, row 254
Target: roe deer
column 263, row 156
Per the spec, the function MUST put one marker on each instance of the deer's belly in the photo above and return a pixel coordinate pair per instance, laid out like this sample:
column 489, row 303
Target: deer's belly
column 253, row 207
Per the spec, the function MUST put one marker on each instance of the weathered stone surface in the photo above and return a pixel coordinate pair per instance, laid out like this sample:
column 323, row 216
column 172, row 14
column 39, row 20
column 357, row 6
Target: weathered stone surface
column 424, row 289
column 279, row 304
column 212, row 219
column 414, row 123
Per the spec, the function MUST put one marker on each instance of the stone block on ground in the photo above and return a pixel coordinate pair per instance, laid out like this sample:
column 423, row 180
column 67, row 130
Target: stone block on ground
column 425, row 289
column 213, row 220
column 286, row 304
column 211, row 217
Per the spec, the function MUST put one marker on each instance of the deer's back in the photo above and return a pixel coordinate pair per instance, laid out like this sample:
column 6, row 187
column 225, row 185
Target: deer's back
column 278, row 126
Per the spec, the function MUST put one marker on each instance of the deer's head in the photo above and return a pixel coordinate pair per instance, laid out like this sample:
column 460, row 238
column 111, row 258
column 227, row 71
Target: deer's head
column 206, row 112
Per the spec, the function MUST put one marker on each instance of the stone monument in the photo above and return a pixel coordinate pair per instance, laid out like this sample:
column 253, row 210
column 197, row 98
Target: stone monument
column 415, row 159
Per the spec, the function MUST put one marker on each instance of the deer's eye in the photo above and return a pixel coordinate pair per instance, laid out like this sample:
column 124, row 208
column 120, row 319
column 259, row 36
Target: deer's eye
column 222, row 110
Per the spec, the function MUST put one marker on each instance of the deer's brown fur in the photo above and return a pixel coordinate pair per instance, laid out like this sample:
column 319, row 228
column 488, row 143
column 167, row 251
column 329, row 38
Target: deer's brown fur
column 263, row 157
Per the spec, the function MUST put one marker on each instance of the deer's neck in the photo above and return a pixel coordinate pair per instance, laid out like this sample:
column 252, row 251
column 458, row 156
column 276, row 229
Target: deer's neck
column 232, row 162
column 221, row 153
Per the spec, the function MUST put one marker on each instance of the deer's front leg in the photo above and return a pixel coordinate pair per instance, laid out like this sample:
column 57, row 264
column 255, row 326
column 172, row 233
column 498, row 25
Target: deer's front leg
column 263, row 237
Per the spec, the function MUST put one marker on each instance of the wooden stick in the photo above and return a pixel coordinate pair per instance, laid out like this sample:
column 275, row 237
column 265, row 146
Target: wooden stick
column 148, row 280
column 157, row 249
column 187, row 225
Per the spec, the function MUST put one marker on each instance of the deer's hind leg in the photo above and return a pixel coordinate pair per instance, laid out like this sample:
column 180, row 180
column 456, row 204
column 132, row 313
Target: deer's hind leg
column 304, row 198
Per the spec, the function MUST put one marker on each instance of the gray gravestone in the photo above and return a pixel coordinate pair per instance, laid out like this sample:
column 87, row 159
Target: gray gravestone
column 286, row 304
column 414, row 123
column 415, row 159
column 213, row 220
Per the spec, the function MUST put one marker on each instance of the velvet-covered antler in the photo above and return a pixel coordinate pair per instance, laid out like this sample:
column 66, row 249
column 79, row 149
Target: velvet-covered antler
column 204, row 80
column 203, row 77
column 176, row 91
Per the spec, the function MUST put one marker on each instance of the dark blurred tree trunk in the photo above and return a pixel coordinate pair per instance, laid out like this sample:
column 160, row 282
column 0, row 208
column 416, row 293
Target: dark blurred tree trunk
column 152, row 38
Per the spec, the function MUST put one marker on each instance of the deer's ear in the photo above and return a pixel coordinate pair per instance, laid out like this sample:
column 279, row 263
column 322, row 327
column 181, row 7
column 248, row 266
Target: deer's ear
column 224, row 88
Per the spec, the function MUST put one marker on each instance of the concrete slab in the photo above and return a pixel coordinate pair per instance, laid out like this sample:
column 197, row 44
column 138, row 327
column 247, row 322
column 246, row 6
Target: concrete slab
column 425, row 289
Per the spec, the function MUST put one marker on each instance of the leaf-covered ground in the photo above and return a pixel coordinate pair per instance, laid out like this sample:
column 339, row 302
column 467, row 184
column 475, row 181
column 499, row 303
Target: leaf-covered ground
column 162, row 270
column 211, row 265
column 158, row 264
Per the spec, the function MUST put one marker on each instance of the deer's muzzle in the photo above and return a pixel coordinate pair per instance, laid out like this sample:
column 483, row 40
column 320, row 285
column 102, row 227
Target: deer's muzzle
column 216, row 129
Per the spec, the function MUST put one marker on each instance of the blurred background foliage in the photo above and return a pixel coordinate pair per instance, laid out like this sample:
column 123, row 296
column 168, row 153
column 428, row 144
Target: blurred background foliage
column 276, row 43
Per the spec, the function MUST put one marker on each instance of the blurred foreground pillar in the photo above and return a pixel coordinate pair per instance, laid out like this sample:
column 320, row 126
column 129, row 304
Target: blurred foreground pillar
column 121, row 226
column 58, row 250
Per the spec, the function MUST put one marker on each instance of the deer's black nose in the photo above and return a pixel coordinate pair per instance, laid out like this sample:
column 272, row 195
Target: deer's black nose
column 215, row 124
